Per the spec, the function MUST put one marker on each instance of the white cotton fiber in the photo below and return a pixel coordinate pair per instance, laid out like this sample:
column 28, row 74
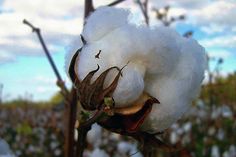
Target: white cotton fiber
column 5, row 150
column 105, row 20
column 158, row 61
column 176, row 90
column 72, row 48
column 95, row 135
column 99, row 153
column 130, row 87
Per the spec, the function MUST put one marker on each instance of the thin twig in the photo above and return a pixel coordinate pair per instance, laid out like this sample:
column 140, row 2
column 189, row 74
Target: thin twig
column 145, row 4
column 1, row 91
column 144, row 8
column 115, row 2
column 37, row 31
column 70, row 98
column 60, row 82
column 71, row 122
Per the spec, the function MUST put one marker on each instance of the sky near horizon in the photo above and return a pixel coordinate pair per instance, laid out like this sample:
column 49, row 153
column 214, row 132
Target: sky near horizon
column 25, row 71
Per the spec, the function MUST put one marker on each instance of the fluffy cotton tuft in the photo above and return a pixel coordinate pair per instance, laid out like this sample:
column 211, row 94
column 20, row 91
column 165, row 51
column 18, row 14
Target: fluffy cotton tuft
column 113, row 19
column 95, row 135
column 159, row 61
column 99, row 153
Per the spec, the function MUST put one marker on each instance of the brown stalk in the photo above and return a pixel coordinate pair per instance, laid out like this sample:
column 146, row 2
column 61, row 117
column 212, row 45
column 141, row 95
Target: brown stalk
column 144, row 8
column 70, row 98
column 115, row 2
column 88, row 8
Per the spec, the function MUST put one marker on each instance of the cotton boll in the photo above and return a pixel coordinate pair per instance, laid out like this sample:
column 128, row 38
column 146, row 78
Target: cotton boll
column 159, row 62
column 103, row 21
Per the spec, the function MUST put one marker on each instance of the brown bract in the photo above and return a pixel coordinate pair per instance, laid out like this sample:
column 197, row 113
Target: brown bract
column 92, row 94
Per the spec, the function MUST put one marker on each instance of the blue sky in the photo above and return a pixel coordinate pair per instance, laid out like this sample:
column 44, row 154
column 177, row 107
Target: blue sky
column 25, row 71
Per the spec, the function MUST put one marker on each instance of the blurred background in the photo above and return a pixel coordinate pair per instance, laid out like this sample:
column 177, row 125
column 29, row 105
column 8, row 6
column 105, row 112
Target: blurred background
column 31, row 107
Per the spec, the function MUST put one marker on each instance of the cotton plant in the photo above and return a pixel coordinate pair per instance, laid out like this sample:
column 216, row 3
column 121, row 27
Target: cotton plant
column 142, row 78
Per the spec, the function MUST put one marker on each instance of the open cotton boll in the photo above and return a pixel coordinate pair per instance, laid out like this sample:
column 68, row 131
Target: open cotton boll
column 159, row 61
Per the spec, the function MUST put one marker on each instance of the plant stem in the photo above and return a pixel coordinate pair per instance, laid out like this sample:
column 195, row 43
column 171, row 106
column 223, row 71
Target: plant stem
column 81, row 143
column 70, row 115
column 115, row 2
column 70, row 99
column 144, row 8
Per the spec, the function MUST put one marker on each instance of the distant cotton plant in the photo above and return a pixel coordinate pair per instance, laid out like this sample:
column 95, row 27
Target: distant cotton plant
column 5, row 150
column 99, row 153
column 153, row 63
column 95, row 135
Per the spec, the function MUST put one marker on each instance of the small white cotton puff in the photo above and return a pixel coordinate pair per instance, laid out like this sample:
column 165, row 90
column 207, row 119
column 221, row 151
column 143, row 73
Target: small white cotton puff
column 95, row 135
column 5, row 150
column 99, row 153
column 95, row 29
column 159, row 61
